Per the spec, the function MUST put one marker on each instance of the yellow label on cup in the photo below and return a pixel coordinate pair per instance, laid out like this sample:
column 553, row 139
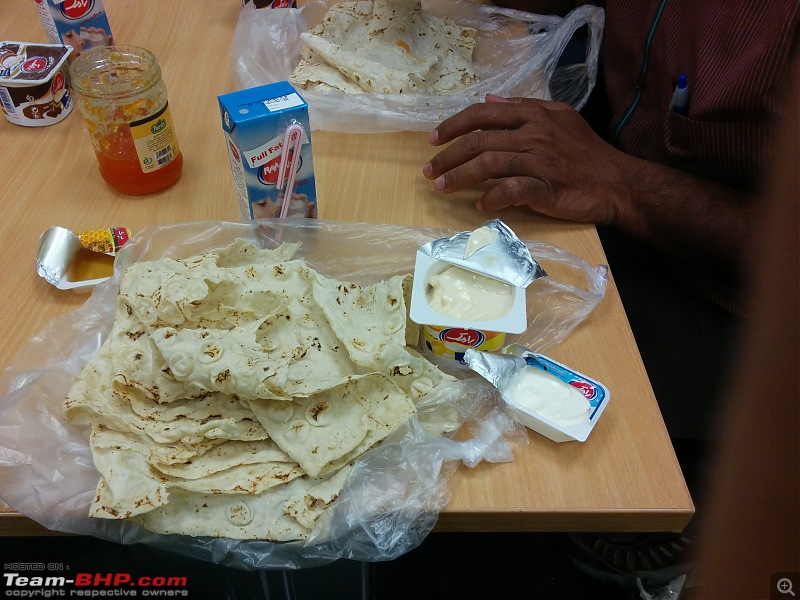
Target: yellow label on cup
column 452, row 342
column 154, row 137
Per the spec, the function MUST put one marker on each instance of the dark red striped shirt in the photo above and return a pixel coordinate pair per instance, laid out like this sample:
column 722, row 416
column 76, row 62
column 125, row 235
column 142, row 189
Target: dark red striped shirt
column 735, row 54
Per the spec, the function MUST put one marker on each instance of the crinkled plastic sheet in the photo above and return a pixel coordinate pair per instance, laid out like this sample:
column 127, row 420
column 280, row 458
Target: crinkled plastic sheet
column 516, row 55
column 395, row 492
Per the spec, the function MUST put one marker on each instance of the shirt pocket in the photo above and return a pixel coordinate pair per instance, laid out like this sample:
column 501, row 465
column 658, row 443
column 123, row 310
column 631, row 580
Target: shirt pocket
column 729, row 152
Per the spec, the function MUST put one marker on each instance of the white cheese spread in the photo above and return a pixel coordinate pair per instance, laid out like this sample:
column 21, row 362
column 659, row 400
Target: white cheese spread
column 462, row 294
column 542, row 392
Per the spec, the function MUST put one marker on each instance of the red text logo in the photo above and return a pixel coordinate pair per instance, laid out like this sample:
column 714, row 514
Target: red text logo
column 465, row 337
column 58, row 82
column 586, row 388
column 126, row 579
column 268, row 173
column 34, row 65
column 76, row 9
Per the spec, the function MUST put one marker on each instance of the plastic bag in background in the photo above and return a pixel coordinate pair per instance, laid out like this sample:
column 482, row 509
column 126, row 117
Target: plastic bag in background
column 395, row 492
column 516, row 55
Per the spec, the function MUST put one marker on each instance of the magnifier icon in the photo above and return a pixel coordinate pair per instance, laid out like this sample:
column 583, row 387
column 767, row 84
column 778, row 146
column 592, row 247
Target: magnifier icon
column 784, row 586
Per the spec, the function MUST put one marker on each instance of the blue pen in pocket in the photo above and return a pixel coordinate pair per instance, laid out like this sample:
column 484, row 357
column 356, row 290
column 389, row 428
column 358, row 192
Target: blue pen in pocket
column 680, row 97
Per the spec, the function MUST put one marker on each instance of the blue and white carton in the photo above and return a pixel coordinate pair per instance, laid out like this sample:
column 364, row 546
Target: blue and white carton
column 82, row 24
column 255, row 122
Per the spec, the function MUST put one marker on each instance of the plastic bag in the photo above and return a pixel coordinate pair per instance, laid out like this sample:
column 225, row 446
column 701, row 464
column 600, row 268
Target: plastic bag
column 516, row 55
column 394, row 493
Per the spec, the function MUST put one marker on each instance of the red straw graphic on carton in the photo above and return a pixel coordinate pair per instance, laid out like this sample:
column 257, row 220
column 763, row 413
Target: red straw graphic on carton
column 290, row 157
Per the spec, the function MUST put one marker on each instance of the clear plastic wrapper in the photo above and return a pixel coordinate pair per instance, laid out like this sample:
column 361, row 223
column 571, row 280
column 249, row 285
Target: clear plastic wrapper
column 394, row 493
column 517, row 54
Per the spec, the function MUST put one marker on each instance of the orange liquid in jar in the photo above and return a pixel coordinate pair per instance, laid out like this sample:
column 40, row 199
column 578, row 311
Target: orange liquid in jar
column 119, row 166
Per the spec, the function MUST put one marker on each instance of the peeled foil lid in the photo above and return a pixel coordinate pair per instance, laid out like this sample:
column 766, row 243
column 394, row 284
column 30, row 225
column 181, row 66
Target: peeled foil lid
column 24, row 64
column 57, row 248
column 505, row 258
column 497, row 369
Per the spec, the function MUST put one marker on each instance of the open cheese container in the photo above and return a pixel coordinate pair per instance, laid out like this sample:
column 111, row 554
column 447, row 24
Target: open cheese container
column 469, row 290
column 78, row 262
column 544, row 395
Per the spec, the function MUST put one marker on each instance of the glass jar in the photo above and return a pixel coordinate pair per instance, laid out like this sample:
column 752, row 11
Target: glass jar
column 124, row 103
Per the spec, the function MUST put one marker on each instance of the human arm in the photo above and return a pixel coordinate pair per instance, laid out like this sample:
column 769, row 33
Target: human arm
column 547, row 157
column 757, row 490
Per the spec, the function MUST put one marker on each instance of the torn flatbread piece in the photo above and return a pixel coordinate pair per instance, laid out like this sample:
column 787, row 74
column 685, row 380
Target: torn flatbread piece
column 319, row 430
column 306, row 509
column 242, row 517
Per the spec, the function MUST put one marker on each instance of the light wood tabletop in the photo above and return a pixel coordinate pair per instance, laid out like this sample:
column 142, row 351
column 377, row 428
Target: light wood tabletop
column 625, row 477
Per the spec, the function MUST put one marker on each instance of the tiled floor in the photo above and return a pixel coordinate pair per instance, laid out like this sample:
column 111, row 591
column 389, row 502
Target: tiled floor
column 446, row 566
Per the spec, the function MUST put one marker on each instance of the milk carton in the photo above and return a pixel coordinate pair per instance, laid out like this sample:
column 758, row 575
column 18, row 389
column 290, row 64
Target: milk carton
column 81, row 24
column 255, row 122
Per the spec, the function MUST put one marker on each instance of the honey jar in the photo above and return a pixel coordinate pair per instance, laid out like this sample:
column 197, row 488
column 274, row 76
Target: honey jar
column 123, row 99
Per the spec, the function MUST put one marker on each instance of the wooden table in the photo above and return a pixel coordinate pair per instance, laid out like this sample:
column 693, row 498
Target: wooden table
column 625, row 477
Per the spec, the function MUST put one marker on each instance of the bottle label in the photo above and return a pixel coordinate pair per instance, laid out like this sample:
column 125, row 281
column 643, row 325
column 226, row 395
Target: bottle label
column 154, row 137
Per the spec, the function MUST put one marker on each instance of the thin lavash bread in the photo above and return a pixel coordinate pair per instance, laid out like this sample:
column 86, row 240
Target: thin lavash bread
column 237, row 387
column 386, row 47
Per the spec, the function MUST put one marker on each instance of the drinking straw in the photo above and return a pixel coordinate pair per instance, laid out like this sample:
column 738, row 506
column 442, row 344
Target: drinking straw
column 292, row 142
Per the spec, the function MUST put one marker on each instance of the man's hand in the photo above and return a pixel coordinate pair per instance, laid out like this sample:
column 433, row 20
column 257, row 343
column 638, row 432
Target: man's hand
column 544, row 155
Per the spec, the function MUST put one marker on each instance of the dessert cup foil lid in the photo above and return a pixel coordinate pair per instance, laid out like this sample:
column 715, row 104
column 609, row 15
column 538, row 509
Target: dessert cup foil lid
column 57, row 248
column 25, row 64
column 505, row 257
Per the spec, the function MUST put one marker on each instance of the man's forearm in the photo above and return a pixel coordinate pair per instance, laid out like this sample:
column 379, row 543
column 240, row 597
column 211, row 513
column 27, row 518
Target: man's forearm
column 684, row 215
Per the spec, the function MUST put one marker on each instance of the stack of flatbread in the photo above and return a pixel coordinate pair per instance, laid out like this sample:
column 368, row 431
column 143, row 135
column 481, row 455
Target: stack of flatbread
column 385, row 47
column 237, row 387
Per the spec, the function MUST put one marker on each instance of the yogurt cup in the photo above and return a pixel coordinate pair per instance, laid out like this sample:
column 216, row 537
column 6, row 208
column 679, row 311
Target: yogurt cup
column 501, row 369
column 469, row 290
column 33, row 83
column 515, row 320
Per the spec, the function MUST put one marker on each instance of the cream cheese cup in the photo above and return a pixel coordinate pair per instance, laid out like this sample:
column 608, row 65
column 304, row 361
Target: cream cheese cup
column 33, row 83
column 474, row 281
column 542, row 394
